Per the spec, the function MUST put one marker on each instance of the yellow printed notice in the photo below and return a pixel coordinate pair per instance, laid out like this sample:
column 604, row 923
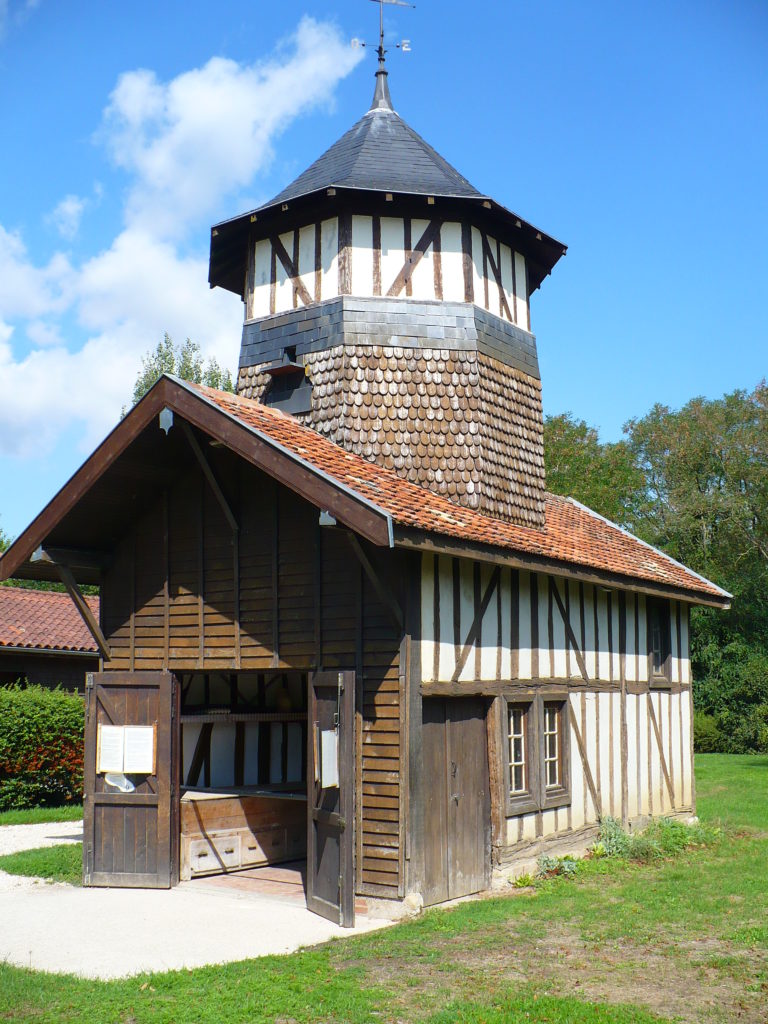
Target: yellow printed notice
column 139, row 755
column 111, row 740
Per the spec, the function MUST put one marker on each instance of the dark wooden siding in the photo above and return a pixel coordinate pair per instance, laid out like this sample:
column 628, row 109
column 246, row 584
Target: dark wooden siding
column 186, row 593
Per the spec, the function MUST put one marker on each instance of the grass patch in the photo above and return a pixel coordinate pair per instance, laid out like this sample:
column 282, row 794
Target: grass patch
column 62, row 863
column 41, row 815
column 680, row 937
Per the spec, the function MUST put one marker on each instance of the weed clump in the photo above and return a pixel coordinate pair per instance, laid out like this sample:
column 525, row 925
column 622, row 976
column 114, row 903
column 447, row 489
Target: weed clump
column 663, row 838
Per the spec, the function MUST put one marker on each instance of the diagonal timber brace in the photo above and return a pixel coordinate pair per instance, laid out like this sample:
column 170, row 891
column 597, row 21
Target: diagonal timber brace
column 210, row 476
column 383, row 592
column 66, row 577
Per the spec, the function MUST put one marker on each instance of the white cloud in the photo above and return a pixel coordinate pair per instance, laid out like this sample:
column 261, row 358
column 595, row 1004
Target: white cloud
column 67, row 214
column 208, row 131
column 185, row 144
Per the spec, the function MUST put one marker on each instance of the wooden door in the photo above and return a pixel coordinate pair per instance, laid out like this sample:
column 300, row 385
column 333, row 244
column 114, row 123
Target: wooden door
column 131, row 839
column 330, row 796
column 457, row 813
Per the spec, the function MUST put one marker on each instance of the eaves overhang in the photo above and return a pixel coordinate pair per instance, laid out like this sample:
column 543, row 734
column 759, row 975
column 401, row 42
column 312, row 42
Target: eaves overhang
column 231, row 238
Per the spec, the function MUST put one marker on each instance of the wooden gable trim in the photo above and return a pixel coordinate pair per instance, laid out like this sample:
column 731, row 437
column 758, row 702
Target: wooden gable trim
column 294, row 473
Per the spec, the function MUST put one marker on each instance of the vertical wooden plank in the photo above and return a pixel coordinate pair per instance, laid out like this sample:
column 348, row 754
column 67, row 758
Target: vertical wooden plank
column 436, row 619
column 296, row 279
column 466, row 255
column 376, row 246
column 477, row 582
column 413, row 742
column 485, row 269
column 318, row 595
column 132, row 584
column 514, row 286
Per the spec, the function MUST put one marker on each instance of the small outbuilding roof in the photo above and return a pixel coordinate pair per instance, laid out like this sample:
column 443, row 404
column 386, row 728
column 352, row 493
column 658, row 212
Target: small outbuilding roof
column 44, row 621
column 366, row 497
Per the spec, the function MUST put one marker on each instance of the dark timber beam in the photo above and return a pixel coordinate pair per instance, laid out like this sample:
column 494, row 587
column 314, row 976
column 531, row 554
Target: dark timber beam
column 65, row 574
column 383, row 592
column 210, row 477
column 75, row 558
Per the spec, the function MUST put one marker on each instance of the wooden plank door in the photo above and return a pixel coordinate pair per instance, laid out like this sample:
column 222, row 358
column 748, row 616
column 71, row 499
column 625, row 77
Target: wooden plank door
column 330, row 796
column 131, row 840
column 457, row 813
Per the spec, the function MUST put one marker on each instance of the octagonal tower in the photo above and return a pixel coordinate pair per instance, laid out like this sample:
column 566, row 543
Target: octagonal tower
column 387, row 305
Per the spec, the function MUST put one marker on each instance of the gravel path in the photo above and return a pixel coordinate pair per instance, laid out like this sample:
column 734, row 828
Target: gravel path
column 29, row 837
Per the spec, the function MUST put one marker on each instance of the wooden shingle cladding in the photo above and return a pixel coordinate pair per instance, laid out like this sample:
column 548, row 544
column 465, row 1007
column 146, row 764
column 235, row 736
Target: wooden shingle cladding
column 457, row 422
column 523, row 639
column 186, row 594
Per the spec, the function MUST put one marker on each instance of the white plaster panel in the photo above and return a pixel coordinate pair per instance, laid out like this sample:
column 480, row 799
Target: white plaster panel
column 642, row 621
column 251, row 754
column 452, row 263
column 362, row 255
column 686, row 708
column 222, row 755
column 427, row 617
column 558, row 631
column 658, row 787
column 549, row 823
column 603, row 701
column 521, row 297
column 615, row 656
column 448, row 653
column 490, row 629
column 524, row 624
column 615, row 700
column 630, row 658
column 307, row 258
column 467, row 613
column 329, row 257
column 392, row 250
column 590, row 745
column 545, row 669
column 574, row 610
column 423, row 276
column 283, row 284
column 633, row 755
column 506, row 623
column 577, row 769
column 477, row 268
column 262, row 258
column 604, row 657
column 529, row 826
column 590, row 652
column 507, row 281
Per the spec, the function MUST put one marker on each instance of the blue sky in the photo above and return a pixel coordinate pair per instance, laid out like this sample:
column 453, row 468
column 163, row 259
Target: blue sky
column 637, row 133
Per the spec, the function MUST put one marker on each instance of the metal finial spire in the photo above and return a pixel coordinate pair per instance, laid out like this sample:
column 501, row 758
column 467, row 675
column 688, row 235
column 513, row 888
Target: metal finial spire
column 381, row 98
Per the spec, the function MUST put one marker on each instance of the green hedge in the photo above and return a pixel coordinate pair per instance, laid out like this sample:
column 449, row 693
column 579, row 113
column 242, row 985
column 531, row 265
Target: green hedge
column 41, row 747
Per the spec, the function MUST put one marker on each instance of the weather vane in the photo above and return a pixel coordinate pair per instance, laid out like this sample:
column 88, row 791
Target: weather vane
column 404, row 44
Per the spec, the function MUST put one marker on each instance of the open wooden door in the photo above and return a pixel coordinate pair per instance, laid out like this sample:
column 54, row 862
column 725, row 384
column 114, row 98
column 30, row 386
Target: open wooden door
column 330, row 796
column 130, row 818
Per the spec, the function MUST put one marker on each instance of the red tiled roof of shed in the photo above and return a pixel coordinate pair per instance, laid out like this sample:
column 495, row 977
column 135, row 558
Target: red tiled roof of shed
column 573, row 533
column 43, row 620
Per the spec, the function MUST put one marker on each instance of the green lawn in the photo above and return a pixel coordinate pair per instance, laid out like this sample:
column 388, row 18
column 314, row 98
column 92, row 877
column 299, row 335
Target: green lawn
column 62, row 863
column 684, row 939
column 40, row 815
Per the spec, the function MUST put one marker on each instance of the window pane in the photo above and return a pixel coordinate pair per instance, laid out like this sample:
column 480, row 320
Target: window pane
column 517, row 751
column 552, row 719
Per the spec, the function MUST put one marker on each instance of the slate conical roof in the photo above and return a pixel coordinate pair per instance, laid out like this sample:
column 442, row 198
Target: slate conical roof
column 380, row 153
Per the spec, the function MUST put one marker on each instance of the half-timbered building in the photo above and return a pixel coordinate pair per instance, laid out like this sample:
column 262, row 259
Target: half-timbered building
column 356, row 624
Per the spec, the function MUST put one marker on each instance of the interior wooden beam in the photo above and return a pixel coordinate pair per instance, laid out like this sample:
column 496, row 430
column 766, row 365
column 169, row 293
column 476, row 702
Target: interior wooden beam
column 210, row 476
column 65, row 574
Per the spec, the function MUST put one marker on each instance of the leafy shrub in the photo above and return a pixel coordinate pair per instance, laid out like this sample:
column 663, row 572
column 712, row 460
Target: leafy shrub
column 41, row 747
column 707, row 738
column 523, row 881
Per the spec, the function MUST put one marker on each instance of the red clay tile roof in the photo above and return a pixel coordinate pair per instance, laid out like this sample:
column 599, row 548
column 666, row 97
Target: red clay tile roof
column 573, row 533
column 43, row 620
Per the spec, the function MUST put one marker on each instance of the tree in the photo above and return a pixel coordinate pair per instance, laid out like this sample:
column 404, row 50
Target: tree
column 604, row 477
column 185, row 361
column 5, row 541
